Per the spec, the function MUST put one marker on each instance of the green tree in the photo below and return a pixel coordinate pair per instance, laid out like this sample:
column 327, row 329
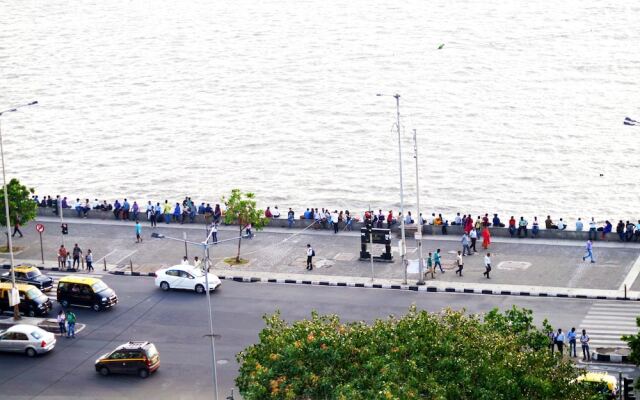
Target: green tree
column 241, row 209
column 22, row 208
column 633, row 341
column 421, row 355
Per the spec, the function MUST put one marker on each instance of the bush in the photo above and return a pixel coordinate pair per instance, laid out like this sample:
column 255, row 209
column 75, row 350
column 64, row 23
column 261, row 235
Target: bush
column 421, row 355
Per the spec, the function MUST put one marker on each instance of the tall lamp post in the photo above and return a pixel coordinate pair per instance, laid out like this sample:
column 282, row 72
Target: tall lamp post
column 207, row 264
column 14, row 296
column 419, row 232
column 402, row 247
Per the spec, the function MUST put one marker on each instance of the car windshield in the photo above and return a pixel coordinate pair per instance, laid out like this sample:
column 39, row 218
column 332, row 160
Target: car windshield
column 99, row 287
column 36, row 335
column 33, row 274
column 151, row 351
column 34, row 293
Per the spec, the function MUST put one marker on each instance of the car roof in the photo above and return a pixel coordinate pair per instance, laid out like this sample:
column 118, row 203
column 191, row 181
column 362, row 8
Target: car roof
column 25, row 328
column 79, row 279
column 133, row 345
column 25, row 268
column 20, row 286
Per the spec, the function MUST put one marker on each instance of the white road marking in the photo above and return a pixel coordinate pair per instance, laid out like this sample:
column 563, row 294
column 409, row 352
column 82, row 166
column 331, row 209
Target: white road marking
column 632, row 275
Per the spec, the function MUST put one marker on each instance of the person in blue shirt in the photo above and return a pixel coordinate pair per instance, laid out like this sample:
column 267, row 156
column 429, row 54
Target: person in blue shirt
column 579, row 225
column 177, row 213
column 496, row 222
column 125, row 209
column 571, row 336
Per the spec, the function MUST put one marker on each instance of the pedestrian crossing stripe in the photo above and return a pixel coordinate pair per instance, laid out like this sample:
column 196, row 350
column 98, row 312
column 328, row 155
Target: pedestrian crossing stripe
column 606, row 322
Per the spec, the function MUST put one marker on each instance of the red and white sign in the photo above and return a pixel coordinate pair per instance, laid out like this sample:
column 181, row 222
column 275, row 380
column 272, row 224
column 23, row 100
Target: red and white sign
column 40, row 228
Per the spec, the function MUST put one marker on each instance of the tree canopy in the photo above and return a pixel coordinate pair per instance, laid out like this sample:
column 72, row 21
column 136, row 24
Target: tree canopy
column 22, row 208
column 420, row 355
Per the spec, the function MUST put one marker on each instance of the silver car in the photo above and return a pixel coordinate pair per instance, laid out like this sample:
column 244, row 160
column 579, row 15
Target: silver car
column 28, row 339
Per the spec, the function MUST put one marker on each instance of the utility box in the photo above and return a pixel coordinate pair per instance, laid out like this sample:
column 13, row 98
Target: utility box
column 380, row 236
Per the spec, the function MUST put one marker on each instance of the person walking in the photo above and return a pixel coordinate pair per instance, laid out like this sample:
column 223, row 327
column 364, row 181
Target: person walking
column 138, row 232
column 62, row 322
column 560, row 341
column 335, row 221
column 248, row 231
column 71, row 325
column 571, row 335
column 429, row 266
column 77, row 252
column 16, row 228
column 589, row 251
column 459, row 263
column 584, row 341
column 487, row 265
column 474, row 238
column 465, row 245
column 436, row 261
column 310, row 253
column 89, row 260
column 552, row 340
column 486, row 238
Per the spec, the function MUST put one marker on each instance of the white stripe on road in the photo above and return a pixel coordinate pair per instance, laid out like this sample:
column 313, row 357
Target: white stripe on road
column 128, row 255
column 632, row 275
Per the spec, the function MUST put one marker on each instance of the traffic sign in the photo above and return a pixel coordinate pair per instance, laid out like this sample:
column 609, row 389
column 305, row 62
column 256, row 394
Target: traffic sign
column 40, row 228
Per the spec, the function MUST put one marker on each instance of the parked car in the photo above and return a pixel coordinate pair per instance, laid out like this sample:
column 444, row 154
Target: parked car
column 185, row 277
column 28, row 339
column 32, row 301
column 88, row 292
column 29, row 275
column 138, row 358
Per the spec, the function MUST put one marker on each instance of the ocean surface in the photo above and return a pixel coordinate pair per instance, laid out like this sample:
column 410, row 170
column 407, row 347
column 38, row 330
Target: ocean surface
column 520, row 112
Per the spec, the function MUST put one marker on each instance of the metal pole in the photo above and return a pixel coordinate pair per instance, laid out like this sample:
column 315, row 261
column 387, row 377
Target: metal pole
column 61, row 219
column 16, row 310
column 402, row 233
column 41, row 248
column 184, row 236
column 371, row 252
column 205, row 247
column 420, row 260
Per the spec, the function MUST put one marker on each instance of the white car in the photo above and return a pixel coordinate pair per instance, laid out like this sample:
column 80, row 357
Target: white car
column 28, row 339
column 185, row 277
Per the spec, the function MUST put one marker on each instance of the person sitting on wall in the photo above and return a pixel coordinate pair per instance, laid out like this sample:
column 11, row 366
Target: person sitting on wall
column 548, row 223
column 561, row 225
column 496, row 221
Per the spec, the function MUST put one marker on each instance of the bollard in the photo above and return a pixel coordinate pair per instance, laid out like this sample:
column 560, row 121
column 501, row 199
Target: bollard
column 131, row 266
column 105, row 263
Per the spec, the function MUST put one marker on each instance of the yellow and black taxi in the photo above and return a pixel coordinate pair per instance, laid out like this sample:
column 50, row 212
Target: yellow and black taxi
column 136, row 358
column 86, row 292
column 32, row 301
column 600, row 382
column 30, row 275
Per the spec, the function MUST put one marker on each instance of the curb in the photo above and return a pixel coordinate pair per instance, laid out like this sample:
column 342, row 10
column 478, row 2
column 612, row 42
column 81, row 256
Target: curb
column 423, row 288
column 612, row 358
column 129, row 273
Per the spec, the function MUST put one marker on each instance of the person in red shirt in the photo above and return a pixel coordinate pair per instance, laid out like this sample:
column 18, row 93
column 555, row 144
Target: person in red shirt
column 267, row 213
column 389, row 219
column 512, row 226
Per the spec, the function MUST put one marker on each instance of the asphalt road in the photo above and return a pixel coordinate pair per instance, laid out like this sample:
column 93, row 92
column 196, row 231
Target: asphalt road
column 177, row 323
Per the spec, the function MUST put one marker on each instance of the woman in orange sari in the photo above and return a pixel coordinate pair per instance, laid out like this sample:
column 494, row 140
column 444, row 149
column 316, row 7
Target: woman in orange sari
column 486, row 238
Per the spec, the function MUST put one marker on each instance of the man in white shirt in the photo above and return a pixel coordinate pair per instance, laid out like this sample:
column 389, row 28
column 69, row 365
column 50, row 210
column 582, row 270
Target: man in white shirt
column 185, row 261
column 561, row 225
column 334, row 221
column 310, row 254
column 592, row 229
column 458, row 220
column 276, row 212
column 487, row 265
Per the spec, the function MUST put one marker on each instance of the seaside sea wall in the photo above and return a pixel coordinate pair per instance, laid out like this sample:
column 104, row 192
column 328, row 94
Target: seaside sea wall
column 70, row 215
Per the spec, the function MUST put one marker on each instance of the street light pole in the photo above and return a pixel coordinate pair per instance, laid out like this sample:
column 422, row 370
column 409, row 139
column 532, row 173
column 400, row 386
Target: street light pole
column 402, row 247
column 16, row 310
column 419, row 237
column 207, row 263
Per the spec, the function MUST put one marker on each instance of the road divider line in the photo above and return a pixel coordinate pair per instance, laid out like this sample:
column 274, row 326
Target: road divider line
column 631, row 276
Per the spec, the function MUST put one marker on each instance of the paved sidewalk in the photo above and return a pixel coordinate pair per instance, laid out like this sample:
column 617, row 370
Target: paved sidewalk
column 519, row 265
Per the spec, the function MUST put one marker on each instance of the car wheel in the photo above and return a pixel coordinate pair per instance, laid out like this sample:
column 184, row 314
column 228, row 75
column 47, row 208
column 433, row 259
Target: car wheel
column 64, row 303
column 164, row 286
column 199, row 289
column 96, row 307
column 31, row 313
column 143, row 373
column 31, row 352
column 104, row 371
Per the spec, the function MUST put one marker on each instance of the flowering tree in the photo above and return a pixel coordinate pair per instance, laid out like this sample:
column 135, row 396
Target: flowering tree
column 421, row 355
column 22, row 208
